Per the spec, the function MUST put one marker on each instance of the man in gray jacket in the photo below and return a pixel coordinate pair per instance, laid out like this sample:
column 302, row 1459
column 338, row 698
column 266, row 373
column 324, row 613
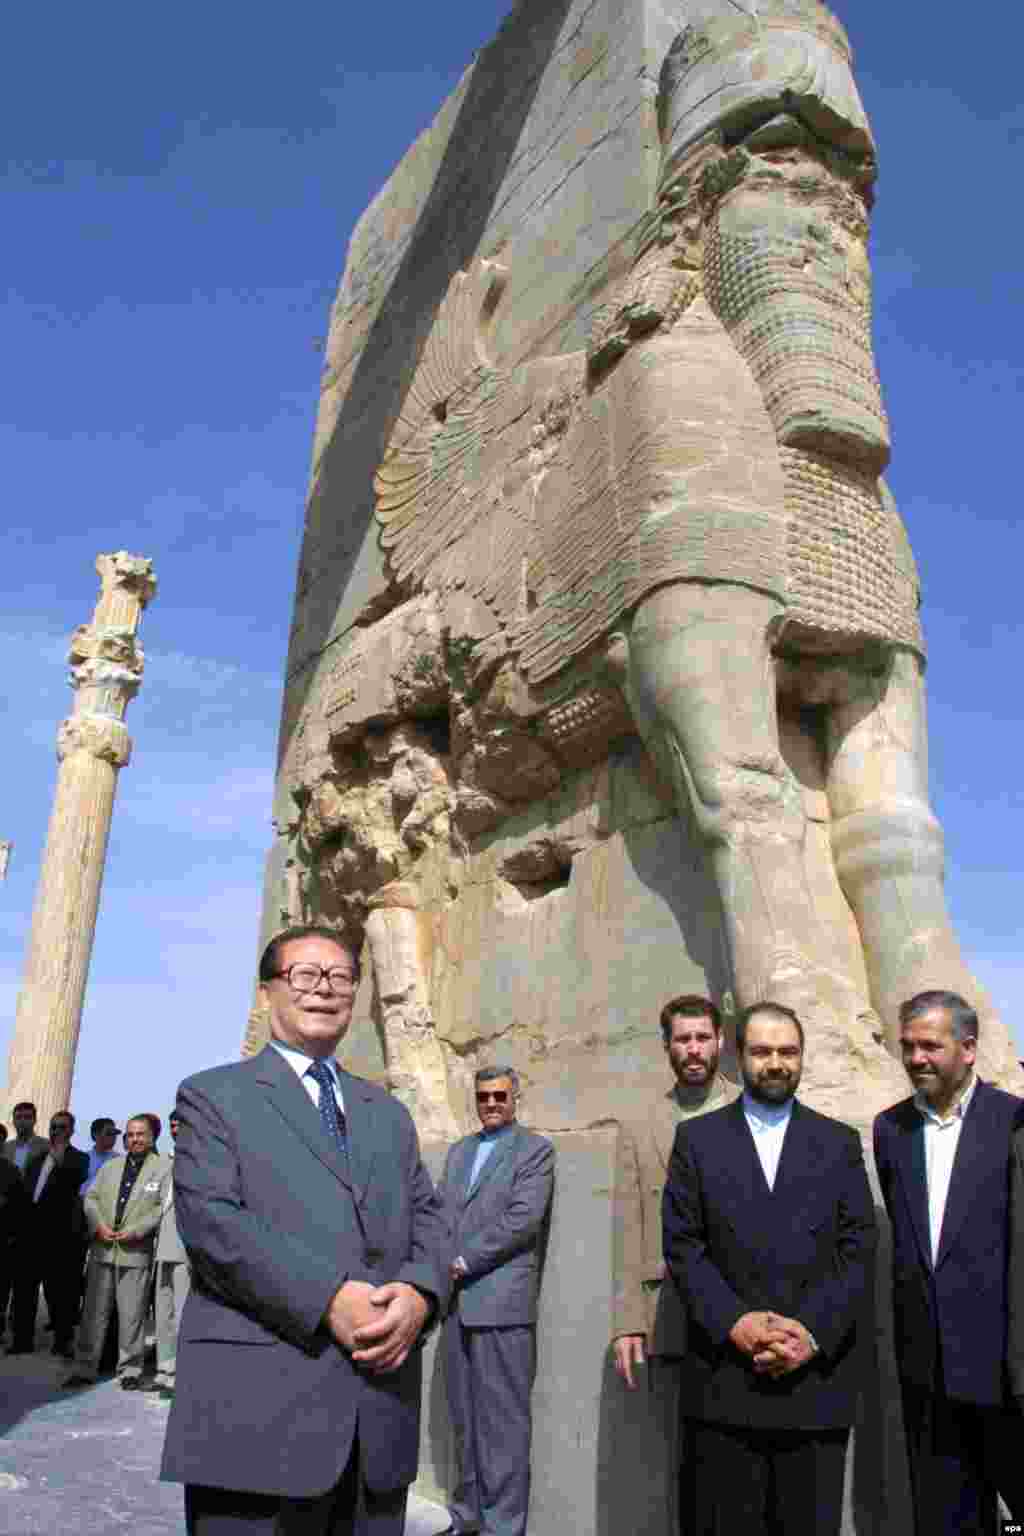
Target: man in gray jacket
column 173, row 1278
column 497, row 1193
column 122, row 1210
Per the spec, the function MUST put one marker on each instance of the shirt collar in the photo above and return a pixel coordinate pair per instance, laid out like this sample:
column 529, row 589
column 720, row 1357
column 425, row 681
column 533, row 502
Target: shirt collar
column 958, row 1110
column 766, row 1115
column 499, row 1130
column 300, row 1063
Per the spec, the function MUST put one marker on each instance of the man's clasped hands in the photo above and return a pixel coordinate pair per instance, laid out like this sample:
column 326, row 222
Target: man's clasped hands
column 376, row 1324
column 775, row 1345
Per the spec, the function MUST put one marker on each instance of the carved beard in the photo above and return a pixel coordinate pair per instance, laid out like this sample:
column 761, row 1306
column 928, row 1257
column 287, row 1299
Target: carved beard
column 806, row 340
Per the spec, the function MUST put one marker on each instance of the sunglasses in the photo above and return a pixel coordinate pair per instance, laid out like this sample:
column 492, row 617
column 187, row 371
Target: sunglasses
column 499, row 1096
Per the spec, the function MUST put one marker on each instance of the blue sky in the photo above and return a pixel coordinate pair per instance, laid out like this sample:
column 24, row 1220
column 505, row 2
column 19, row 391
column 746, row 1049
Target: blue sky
column 179, row 191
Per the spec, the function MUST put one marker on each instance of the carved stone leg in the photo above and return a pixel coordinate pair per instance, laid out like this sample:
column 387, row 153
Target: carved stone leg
column 399, row 939
column 702, row 686
column 888, row 849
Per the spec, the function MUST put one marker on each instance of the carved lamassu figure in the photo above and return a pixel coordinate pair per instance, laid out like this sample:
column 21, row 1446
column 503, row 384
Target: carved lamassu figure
column 697, row 504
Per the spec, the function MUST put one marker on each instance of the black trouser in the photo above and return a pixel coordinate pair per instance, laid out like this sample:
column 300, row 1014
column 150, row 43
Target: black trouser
column 960, row 1456
column 762, row 1482
column 57, row 1270
column 347, row 1509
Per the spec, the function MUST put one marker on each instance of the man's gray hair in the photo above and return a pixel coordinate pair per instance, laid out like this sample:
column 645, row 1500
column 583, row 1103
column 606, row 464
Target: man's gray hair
column 488, row 1074
column 961, row 1015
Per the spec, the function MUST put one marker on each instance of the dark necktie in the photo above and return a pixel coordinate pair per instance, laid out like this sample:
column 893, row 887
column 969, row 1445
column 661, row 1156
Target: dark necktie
column 331, row 1118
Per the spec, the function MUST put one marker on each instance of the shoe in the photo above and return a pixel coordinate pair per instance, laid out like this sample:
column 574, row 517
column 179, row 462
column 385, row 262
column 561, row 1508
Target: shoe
column 76, row 1379
column 167, row 1393
column 21, row 1349
column 149, row 1386
column 131, row 1383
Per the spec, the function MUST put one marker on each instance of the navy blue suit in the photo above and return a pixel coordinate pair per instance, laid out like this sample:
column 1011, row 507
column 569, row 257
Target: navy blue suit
column 803, row 1250
column 950, row 1317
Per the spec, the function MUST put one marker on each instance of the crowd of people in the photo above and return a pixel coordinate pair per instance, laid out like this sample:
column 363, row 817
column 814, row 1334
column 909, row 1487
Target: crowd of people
column 744, row 1242
column 96, row 1232
column 306, row 1253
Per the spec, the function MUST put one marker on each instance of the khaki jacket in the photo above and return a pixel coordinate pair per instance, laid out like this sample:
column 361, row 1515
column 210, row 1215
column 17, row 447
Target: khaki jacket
column 142, row 1213
column 644, row 1301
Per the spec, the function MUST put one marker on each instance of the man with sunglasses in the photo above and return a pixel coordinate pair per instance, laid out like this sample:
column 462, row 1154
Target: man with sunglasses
column 317, row 1249
column 52, row 1240
column 497, row 1192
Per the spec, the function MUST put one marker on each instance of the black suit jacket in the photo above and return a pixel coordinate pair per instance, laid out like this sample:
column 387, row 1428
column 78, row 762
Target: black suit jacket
column 803, row 1250
column 275, row 1220
column 56, row 1218
column 14, row 1209
column 950, row 1317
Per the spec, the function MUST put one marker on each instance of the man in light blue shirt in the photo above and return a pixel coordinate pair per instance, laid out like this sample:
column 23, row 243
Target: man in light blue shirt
column 104, row 1133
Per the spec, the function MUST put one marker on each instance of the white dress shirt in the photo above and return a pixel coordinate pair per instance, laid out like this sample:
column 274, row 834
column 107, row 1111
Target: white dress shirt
column 44, row 1173
column 768, row 1126
column 941, row 1139
column 300, row 1064
column 21, row 1153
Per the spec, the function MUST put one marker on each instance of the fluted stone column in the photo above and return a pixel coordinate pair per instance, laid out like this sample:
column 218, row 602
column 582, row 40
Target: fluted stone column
column 92, row 745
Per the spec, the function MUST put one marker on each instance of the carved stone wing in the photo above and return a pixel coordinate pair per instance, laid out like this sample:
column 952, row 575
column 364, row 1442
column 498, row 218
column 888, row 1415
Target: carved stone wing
column 440, row 479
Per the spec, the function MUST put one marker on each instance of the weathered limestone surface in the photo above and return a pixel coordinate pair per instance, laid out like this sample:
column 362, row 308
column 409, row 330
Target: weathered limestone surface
column 92, row 745
column 606, row 678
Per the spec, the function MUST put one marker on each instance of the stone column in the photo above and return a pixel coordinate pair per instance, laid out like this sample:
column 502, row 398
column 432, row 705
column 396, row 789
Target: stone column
column 92, row 744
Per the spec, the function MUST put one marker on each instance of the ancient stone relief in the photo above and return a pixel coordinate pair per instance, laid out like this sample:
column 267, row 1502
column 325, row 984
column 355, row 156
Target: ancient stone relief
column 682, row 532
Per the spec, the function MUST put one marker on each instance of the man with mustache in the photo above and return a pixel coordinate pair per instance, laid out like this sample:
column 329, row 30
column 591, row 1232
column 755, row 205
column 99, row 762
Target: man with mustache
column 943, row 1162
column 769, row 1232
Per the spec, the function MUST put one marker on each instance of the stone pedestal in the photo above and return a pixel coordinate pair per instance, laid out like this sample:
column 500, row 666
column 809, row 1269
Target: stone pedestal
column 92, row 745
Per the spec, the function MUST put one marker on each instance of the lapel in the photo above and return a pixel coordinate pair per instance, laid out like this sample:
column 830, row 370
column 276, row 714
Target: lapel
column 362, row 1127
column 149, row 1171
column 291, row 1101
column 503, row 1150
column 746, row 1165
column 794, row 1160
column 909, row 1148
column 968, row 1167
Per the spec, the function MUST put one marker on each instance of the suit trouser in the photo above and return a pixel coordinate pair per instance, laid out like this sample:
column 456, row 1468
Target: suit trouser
column 56, row 1270
column 347, row 1509
column 489, row 1375
column 764, row 1482
column 129, row 1288
column 960, row 1455
column 173, row 1280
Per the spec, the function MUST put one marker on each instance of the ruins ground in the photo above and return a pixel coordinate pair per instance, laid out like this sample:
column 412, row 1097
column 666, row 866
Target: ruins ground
column 86, row 1462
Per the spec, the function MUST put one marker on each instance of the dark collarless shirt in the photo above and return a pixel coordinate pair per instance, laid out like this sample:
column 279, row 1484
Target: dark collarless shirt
column 129, row 1174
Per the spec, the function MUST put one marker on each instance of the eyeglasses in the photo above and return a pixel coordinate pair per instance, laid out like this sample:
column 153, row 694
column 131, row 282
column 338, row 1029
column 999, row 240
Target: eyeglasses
column 305, row 977
column 499, row 1096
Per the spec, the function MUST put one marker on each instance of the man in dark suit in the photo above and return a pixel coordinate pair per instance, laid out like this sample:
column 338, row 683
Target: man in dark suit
column 769, row 1232
column 497, row 1193
column 943, row 1160
column 13, row 1215
column 52, row 1244
column 317, row 1250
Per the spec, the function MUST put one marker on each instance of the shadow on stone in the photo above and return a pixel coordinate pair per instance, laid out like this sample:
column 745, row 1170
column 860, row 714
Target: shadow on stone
column 498, row 99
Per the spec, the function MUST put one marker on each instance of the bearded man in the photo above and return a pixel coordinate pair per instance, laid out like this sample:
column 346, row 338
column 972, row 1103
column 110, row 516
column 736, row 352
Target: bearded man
column 769, row 1232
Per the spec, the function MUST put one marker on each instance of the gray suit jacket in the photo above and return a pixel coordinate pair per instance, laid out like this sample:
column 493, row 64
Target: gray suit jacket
column 275, row 1219
column 169, row 1247
column 497, row 1226
column 141, row 1214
